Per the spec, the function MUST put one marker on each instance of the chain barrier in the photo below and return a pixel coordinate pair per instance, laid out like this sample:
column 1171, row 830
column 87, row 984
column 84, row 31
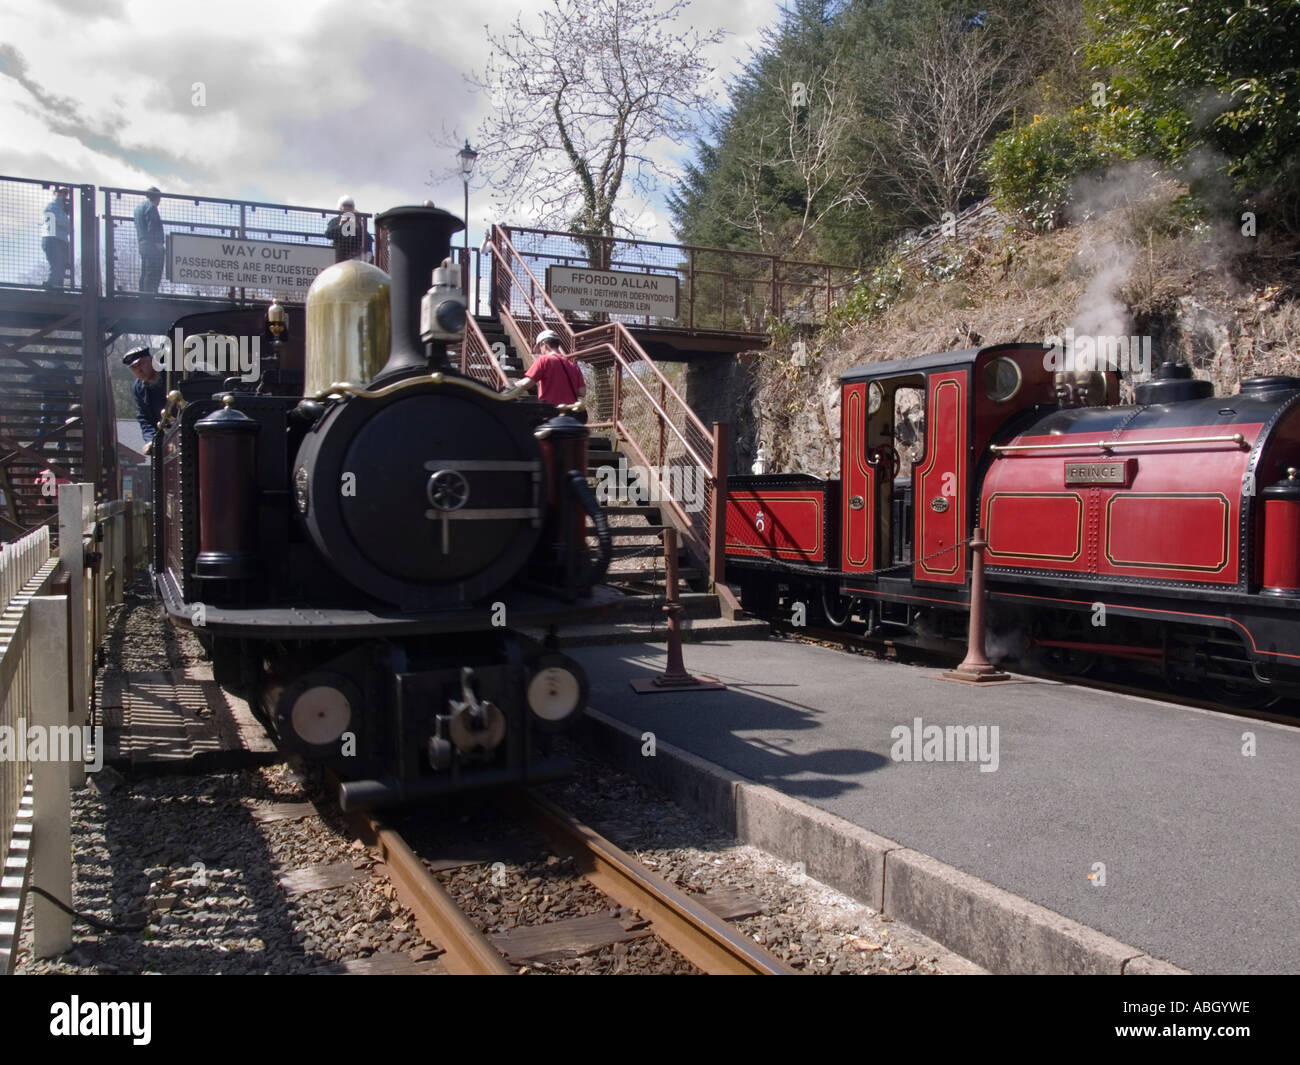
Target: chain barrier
column 816, row 571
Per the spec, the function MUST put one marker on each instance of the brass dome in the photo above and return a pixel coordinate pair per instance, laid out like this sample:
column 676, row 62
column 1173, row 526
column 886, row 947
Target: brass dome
column 348, row 326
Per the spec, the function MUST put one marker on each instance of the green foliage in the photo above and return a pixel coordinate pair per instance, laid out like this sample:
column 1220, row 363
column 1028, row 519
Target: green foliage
column 1222, row 75
column 1032, row 167
column 737, row 195
column 871, row 296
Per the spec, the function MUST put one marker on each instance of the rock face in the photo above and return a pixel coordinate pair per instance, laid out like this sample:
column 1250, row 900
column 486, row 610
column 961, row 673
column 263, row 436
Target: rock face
column 721, row 389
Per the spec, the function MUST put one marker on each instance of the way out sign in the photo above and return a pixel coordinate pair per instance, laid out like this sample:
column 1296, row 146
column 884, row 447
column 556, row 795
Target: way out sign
column 226, row 262
column 573, row 288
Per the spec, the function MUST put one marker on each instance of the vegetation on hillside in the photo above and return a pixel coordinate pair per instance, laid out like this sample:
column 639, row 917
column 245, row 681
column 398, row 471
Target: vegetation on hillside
column 1143, row 157
column 860, row 120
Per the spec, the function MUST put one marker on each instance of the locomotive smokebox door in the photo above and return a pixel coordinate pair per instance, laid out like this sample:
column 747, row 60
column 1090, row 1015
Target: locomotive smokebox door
column 423, row 499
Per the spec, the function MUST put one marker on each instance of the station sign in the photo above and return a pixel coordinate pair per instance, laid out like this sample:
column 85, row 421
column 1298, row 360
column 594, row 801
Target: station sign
column 226, row 262
column 575, row 288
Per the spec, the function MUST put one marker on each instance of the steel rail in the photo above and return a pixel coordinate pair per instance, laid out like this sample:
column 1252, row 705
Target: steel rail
column 467, row 951
column 691, row 929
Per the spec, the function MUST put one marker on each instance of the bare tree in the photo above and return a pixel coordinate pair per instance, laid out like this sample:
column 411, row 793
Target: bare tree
column 580, row 102
column 807, row 146
column 952, row 87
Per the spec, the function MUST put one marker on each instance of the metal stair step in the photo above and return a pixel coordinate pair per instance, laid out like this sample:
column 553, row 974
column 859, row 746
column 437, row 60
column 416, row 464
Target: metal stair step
column 631, row 510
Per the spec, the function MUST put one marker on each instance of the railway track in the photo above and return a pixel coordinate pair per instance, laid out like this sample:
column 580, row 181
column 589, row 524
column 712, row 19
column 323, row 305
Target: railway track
column 698, row 934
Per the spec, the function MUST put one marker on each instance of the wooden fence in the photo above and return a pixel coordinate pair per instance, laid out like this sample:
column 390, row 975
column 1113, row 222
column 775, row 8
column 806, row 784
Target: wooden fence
column 52, row 620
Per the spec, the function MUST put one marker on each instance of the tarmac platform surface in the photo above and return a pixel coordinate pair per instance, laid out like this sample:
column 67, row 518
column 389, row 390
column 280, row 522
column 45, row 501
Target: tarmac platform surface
column 1200, row 842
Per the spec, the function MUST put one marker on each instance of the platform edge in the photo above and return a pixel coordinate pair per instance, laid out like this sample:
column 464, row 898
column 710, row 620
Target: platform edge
column 989, row 925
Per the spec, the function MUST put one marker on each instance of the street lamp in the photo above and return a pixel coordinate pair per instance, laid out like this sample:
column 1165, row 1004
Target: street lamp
column 467, row 156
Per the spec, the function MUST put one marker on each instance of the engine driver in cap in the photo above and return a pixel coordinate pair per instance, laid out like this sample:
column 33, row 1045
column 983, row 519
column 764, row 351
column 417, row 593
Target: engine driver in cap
column 554, row 373
column 149, row 390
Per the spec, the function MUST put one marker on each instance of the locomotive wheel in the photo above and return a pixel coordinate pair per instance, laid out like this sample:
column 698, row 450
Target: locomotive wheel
column 1065, row 661
column 837, row 610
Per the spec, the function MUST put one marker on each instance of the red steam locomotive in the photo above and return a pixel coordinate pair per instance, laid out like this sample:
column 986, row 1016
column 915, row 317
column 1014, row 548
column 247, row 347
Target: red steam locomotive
column 1165, row 533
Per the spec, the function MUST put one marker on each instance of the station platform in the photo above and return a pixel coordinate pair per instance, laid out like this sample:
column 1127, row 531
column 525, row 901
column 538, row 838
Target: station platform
column 1151, row 830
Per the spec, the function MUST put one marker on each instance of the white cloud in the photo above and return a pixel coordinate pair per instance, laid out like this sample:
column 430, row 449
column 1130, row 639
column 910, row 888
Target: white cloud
column 304, row 100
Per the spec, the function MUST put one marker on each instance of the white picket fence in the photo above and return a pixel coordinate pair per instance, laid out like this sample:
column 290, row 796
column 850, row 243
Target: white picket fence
column 47, row 658
column 26, row 570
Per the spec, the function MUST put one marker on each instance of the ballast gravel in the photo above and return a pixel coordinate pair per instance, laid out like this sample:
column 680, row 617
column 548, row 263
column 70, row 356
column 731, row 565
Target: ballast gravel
column 182, row 864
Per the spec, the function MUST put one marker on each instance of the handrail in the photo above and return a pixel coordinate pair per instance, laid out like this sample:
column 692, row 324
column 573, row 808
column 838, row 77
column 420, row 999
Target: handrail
column 732, row 252
column 477, row 360
column 1110, row 445
column 624, row 335
column 501, row 243
column 654, row 403
column 514, row 281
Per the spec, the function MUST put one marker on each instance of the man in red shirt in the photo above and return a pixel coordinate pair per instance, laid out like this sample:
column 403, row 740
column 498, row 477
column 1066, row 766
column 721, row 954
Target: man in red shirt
column 556, row 376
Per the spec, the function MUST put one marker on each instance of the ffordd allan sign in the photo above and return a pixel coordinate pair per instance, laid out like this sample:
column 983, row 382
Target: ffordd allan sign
column 574, row 288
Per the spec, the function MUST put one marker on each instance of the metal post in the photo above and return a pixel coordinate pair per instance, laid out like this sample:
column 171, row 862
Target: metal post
column 663, row 406
column 95, row 408
column 976, row 668
column 109, row 280
column 718, row 504
column 690, row 285
column 674, row 677
column 51, row 801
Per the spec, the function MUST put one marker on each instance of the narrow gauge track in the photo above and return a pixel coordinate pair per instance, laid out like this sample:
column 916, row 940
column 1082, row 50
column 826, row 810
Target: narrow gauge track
column 695, row 932
column 1137, row 686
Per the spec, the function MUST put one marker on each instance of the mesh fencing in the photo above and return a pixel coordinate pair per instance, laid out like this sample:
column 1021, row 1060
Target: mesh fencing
column 733, row 291
column 126, row 257
column 40, row 229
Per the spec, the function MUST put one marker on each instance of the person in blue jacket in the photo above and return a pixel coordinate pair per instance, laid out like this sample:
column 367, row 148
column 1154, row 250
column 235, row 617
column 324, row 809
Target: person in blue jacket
column 56, row 228
column 149, row 238
column 150, row 391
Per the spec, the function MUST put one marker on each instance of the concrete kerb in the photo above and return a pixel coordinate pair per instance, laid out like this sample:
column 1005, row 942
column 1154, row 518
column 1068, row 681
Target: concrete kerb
column 992, row 927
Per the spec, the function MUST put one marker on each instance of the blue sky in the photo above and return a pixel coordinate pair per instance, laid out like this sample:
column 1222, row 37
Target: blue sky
column 304, row 100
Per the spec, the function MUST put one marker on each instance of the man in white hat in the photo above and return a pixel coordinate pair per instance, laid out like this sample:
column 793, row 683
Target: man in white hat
column 349, row 232
column 553, row 373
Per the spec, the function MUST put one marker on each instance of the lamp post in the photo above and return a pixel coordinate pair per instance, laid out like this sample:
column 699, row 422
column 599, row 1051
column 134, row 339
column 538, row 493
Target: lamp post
column 467, row 157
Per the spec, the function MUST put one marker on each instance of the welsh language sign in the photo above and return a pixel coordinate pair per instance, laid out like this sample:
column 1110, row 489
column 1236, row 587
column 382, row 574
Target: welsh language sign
column 227, row 262
column 573, row 288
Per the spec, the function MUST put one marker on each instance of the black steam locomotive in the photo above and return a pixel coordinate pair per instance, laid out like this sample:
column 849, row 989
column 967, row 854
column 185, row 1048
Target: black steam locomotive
column 362, row 536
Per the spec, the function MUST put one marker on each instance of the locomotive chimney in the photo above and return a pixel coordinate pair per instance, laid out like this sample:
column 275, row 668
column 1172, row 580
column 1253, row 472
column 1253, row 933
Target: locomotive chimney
column 419, row 238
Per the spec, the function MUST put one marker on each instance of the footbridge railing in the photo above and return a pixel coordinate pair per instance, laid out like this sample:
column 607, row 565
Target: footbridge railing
column 683, row 459
column 477, row 359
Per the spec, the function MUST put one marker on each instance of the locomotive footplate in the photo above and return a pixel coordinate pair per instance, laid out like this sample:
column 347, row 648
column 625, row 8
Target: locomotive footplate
column 515, row 609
